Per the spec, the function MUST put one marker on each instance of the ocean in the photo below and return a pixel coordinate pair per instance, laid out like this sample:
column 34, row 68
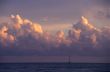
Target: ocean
column 54, row 67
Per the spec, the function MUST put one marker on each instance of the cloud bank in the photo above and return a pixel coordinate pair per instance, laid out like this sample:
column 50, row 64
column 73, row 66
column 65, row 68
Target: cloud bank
column 22, row 37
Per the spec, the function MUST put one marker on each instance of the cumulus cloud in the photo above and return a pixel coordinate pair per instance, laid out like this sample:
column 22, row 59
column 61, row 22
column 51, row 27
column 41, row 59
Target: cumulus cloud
column 28, row 38
column 18, row 27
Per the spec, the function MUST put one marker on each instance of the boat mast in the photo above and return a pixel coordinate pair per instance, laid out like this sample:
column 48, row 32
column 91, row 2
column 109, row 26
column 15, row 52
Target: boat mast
column 69, row 59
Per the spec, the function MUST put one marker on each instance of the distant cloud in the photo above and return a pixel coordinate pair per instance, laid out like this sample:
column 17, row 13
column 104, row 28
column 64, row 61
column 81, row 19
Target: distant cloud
column 23, row 37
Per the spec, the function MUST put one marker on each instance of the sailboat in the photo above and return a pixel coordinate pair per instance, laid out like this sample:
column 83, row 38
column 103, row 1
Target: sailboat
column 69, row 63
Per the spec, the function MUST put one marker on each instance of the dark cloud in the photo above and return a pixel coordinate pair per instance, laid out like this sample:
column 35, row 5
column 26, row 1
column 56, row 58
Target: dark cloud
column 100, row 9
column 103, row 2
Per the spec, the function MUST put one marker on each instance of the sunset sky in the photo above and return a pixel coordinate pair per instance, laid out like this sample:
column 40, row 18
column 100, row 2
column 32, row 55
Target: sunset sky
column 51, row 30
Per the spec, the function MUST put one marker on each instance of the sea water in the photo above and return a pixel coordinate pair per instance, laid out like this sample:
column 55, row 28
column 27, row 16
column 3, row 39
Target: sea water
column 54, row 67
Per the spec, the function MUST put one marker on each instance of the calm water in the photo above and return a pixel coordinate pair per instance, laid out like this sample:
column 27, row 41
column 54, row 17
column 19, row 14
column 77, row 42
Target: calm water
column 54, row 67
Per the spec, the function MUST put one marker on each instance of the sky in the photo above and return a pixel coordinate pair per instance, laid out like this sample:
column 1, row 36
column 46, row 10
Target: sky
column 46, row 28
column 37, row 9
column 55, row 11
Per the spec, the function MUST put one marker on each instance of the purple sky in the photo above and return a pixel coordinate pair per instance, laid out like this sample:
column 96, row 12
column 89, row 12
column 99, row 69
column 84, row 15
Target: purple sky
column 55, row 11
